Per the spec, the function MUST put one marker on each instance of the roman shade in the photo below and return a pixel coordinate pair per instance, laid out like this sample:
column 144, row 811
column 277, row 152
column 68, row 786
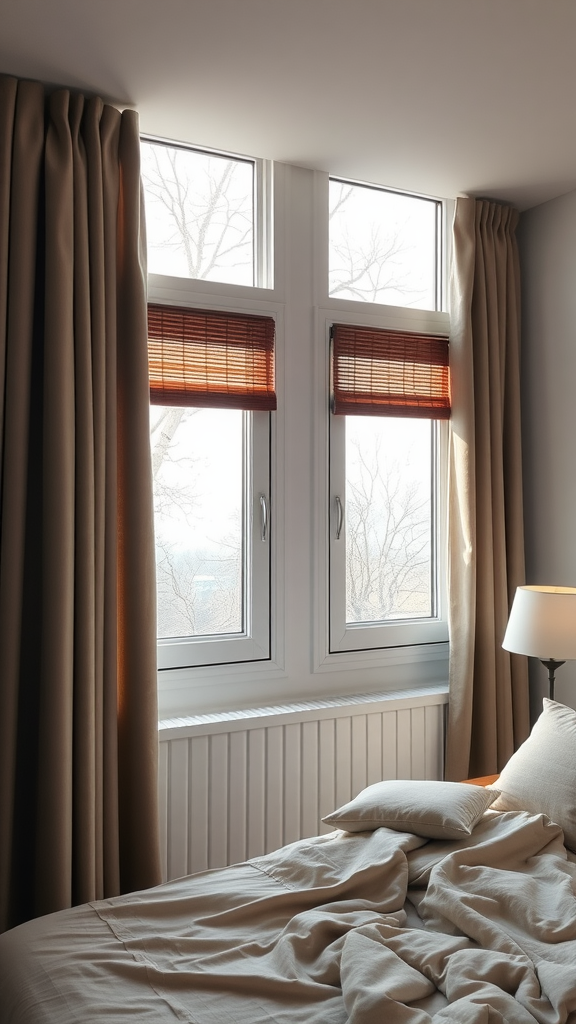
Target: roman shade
column 379, row 372
column 210, row 358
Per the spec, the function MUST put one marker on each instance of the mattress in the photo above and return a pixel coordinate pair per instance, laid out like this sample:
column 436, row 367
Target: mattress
column 365, row 927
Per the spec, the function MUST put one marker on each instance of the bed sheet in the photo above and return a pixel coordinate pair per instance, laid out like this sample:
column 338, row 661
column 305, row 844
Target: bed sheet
column 359, row 928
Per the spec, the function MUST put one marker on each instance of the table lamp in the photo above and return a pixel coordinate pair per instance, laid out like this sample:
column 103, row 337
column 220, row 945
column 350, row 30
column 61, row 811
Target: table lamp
column 542, row 624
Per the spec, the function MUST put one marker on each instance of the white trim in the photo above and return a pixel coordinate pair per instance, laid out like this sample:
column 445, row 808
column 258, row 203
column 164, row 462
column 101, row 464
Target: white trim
column 332, row 707
column 185, row 291
column 385, row 657
column 394, row 318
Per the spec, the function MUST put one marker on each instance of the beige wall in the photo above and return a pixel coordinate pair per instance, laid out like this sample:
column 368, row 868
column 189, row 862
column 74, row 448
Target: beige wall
column 548, row 258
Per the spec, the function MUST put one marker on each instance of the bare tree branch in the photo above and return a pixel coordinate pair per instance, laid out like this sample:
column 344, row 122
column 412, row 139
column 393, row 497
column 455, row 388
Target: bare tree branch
column 208, row 224
column 387, row 539
column 368, row 271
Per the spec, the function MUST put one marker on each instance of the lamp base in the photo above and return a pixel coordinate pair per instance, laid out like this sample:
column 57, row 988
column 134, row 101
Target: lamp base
column 551, row 665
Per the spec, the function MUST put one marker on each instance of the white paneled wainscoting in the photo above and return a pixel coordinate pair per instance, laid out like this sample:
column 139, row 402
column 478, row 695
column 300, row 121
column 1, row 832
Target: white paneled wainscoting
column 239, row 784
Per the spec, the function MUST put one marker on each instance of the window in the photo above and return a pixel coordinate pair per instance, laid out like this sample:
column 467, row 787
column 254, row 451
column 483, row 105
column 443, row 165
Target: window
column 206, row 215
column 384, row 583
column 259, row 603
column 389, row 395
column 384, row 246
column 211, row 390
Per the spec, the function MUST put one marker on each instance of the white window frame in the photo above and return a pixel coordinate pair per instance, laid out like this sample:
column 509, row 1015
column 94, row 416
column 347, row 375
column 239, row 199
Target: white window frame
column 371, row 644
column 398, row 632
column 253, row 643
column 180, row 658
column 300, row 664
column 263, row 205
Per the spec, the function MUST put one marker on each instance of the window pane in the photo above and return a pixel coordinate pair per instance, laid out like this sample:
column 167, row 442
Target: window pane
column 388, row 519
column 383, row 246
column 197, row 461
column 199, row 214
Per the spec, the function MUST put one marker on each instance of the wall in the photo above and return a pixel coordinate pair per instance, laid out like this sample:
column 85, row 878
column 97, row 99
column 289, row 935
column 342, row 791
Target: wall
column 548, row 259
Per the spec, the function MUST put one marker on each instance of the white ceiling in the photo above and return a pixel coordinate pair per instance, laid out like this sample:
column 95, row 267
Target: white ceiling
column 435, row 96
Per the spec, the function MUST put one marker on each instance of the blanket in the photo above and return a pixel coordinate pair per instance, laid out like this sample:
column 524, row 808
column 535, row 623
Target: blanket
column 363, row 928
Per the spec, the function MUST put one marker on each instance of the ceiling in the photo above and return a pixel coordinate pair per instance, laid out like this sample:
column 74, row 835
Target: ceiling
column 436, row 96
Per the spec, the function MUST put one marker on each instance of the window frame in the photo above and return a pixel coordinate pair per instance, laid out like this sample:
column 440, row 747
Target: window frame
column 441, row 244
column 254, row 641
column 359, row 645
column 348, row 637
column 263, row 202
column 180, row 659
column 395, row 653
column 300, row 664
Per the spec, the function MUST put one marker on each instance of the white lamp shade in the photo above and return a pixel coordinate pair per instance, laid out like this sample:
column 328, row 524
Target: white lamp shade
column 542, row 623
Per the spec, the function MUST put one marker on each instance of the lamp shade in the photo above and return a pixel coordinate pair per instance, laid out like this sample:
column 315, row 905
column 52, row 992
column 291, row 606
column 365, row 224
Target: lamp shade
column 542, row 623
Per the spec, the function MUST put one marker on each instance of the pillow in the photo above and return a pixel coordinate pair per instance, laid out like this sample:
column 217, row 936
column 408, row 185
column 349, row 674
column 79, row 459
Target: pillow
column 436, row 810
column 541, row 776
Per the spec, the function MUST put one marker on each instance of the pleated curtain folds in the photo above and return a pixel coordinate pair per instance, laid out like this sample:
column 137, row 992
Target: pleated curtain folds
column 489, row 708
column 78, row 708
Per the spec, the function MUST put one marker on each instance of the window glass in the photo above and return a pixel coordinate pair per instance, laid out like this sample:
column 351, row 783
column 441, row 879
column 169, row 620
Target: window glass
column 386, row 515
column 388, row 519
column 197, row 461
column 383, row 246
column 199, row 214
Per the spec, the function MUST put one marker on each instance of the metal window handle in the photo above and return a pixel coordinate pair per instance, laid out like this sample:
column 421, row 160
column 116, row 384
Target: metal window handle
column 263, row 518
column 340, row 519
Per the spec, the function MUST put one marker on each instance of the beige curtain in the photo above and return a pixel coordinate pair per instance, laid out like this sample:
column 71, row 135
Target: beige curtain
column 78, row 717
column 488, row 710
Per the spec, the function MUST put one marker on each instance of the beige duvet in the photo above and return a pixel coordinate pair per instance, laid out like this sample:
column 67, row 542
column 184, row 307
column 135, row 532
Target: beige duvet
column 371, row 928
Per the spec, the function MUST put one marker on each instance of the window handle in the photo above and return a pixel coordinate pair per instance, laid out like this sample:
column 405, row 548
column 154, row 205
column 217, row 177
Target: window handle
column 263, row 518
column 340, row 517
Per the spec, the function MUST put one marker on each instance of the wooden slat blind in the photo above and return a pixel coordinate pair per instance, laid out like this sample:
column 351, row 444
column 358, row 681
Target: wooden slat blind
column 210, row 358
column 389, row 373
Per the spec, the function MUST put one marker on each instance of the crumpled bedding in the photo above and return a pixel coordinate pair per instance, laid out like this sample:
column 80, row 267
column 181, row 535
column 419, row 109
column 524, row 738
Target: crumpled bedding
column 363, row 928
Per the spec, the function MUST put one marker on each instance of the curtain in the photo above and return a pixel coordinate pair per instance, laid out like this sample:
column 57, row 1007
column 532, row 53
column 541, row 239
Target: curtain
column 488, row 709
column 78, row 714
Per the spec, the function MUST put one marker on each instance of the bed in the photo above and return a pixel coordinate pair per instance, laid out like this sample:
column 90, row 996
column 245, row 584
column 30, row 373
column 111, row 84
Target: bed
column 429, row 901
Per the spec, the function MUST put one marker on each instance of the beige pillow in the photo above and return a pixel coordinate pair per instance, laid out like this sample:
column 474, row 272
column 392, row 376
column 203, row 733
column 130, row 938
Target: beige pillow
column 541, row 776
column 436, row 810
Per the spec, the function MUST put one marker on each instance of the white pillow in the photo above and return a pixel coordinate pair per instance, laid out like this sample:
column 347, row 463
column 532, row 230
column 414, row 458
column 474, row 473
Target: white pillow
column 436, row 810
column 541, row 776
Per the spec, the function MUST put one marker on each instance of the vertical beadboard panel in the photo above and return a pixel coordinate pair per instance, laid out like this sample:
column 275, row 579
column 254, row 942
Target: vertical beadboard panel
column 310, row 779
column 198, row 801
column 434, row 738
column 390, row 745
column 292, row 782
column 218, row 801
column 227, row 793
column 163, row 777
column 256, row 791
column 274, row 811
column 418, row 744
column 343, row 760
column 238, row 802
column 374, row 740
column 178, row 805
column 326, row 770
column 404, row 744
column 359, row 753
